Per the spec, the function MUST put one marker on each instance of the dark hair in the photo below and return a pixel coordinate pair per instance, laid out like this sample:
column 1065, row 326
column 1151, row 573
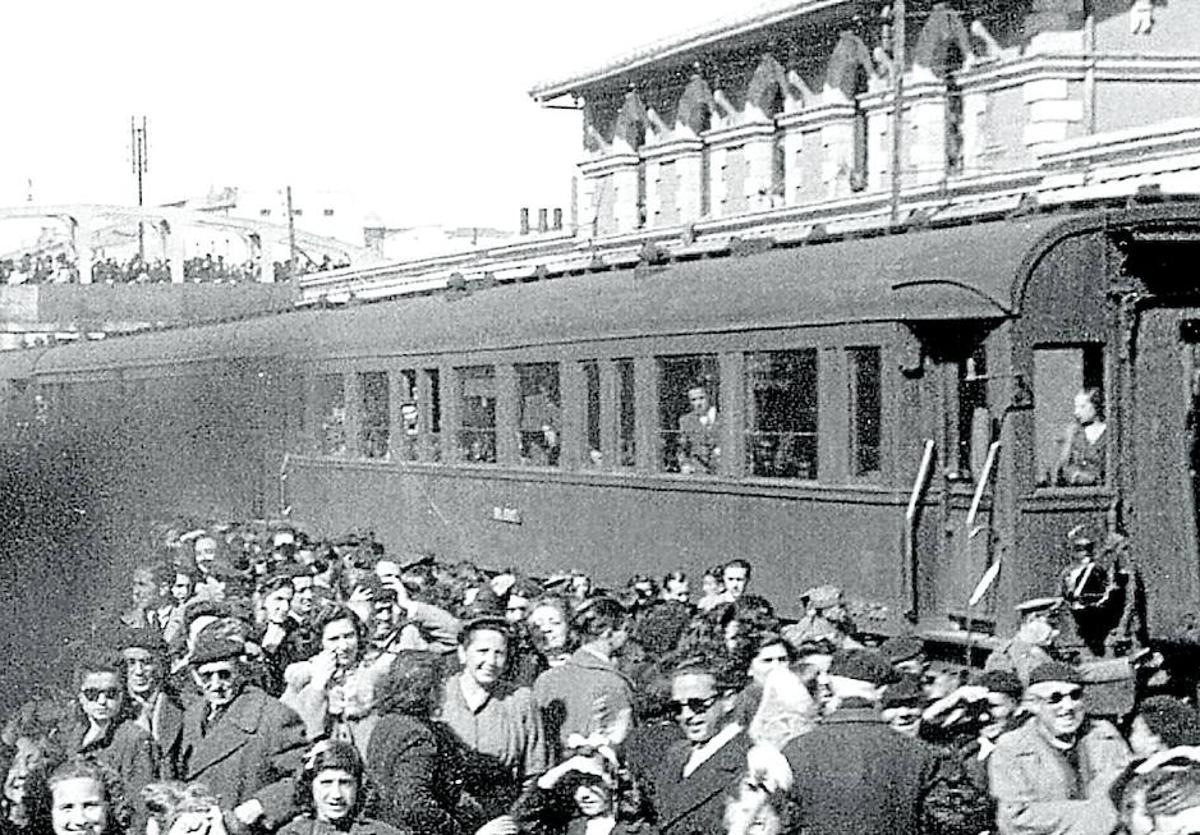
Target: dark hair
column 338, row 612
column 1095, row 395
column 81, row 766
column 674, row 577
column 1174, row 721
column 276, row 582
column 412, row 685
column 326, row 754
column 739, row 562
column 484, row 624
column 103, row 663
column 599, row 615
column 725, row 675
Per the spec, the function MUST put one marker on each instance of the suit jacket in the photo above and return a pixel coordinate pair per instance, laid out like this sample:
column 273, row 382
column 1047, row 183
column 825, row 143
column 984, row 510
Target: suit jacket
column 251, row 750
column 699, row 445
column 854, row 775
column 1034, row 785
column 696, row 805
column 567, row 695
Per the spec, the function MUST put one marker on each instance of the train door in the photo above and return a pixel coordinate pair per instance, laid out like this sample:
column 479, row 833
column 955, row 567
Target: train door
column 1163, row 450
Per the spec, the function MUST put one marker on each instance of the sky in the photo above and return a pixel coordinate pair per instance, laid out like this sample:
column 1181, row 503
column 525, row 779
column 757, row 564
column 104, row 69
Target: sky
column 419, row 110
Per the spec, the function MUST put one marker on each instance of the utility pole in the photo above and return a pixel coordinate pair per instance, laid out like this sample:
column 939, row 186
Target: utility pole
column 139, row 147
column 899, row 60
column 291, row 236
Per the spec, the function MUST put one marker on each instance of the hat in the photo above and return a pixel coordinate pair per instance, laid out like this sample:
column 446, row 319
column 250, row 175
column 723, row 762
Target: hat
column 1001, row 681
column 822, row 597
column 863, row 665
column 143, row 637
column 1054, row 671
column 214, row 643
column 902, row 648
column 1039, row 604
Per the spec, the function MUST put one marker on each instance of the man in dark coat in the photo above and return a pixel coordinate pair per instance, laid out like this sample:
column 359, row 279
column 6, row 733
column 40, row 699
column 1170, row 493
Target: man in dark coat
column 854, row 775
column 688, row 790
column 240, row 742
column 157, row 708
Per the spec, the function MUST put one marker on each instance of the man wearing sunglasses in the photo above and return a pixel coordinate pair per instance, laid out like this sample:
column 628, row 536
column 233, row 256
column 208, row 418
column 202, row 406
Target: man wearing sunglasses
column 689, row 785
column 240, row 742
column 1053, row 774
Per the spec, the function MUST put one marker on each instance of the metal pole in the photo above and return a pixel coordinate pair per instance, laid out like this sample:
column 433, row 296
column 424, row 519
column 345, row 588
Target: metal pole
column 291, row 236
column 899, row 61
column 138, row 139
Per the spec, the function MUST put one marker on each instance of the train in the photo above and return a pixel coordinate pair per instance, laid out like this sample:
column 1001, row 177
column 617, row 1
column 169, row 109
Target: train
column 886, row 413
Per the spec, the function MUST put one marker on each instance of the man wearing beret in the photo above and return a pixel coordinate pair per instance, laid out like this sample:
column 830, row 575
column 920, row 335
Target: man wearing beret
column 240, row 742
column 159, row 708
column 1053, row 774
column 854, row 775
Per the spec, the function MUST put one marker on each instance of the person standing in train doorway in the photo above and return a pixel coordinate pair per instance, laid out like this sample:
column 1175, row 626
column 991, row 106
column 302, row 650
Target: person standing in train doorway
column 1081, row 460
column 700, row 433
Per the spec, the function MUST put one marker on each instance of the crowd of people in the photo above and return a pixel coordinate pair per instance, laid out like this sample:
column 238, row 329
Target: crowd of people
column 201, row 269
column 40, row 269
column 257, row 680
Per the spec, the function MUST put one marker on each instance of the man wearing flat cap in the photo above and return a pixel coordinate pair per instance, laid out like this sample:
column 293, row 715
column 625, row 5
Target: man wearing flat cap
column 854, row 775
column 1034, row 642
column 825, row 619
column 243, row 744
column 1053, row 774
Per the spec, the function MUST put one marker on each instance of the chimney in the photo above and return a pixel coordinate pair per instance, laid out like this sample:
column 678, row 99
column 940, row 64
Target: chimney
column 524, row 221
column 558, row 220
column 543, row 223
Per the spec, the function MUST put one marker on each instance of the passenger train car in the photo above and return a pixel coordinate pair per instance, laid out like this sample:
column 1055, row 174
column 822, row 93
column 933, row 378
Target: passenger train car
column 888, row 413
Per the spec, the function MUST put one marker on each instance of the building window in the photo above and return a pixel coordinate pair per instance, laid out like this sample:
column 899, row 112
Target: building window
column 866, row 410
column 477, row 404
column 592, row 455
column 1070, row 428
column 297, row 212
column 264, row 212
column 626, row 415
column 331, row 412
column 861, row 154
column 781, row 413
column 410, row 415
column 328, row 213
column 954, row 111
column 777, row 190
column 540, row 417
column 373, row 425
column 974, row 418
column 433, row 379
column 689, row 415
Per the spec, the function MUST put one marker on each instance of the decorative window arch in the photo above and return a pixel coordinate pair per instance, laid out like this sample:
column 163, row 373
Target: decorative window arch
column 631, row 125
column 943, row 32
column 696, row 107
column 769, row 89
column 849, row 62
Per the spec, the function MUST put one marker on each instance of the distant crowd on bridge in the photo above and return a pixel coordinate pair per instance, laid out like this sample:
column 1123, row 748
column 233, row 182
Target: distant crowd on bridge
column 258, row 679
column 201, row 269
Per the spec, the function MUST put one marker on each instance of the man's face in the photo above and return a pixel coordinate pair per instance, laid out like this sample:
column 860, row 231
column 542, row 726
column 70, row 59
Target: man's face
column 698, row 398
column 334, row 792
column 699, row 708
column 220, row 681
column 1038, row 629
column 1058, row 706
column 771, row 657
column 181, row 589
column 302, row 597
column 484, row 657
column 383, row 618
column 735, row 578
column 388, row 572
column 1000, row 708
column 206, row 552
column 142, row 671
column 516, row 608
column 100, row 696
column 277, row 604
column 904, row 719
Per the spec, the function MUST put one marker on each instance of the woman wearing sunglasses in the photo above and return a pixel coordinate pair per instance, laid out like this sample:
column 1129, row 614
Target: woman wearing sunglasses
column 103, row 728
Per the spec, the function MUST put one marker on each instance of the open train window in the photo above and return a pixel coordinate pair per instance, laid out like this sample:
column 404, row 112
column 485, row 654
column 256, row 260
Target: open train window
column 1070, row 430
column 433, row 380
column 626, row 415
column 974, row 417
column 540, row 417
column 592, row 456
column 331, row 414
column 866, row 410
column 410, row 415
column 689, row 414
column 477, row 405
column 374, row 414
column 781, row 413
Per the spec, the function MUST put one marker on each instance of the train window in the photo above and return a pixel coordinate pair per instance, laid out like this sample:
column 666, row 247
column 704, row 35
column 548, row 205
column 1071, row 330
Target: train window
column 374, row 414
column 974, row 419
column 331, row 412
column 1068, row 412
column 626, row 415
column 433, row 380
column 540, row 418
column 592, row 456
column 689, row 416
column 781, row 413
column 866, row 410
column 410, row 415
column 477, row 404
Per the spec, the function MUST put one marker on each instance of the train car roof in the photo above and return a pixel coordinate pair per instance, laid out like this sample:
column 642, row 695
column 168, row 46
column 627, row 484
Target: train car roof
column 946, row 274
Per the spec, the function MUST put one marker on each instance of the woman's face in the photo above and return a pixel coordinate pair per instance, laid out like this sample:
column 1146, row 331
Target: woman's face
column 27, row 758
column 100, row 696
column 181, row 588
column 334, row 792
column 277, row 604
column 341, row 639
column 768, row 658
column 77, row 805
column 711, row 585
column 549, row 621
column 592, row 799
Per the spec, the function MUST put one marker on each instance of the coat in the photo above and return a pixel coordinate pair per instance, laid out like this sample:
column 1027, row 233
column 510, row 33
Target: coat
column 306, row 825
column 252, row 750
column 1033, row 783
column 127, row 748
column 415, row 768
column 854, row 775
column 568, row 695
column 699, row 448
column 695, row 805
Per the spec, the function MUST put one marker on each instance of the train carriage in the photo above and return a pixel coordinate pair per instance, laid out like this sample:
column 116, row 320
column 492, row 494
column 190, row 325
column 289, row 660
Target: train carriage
column 858, row 387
